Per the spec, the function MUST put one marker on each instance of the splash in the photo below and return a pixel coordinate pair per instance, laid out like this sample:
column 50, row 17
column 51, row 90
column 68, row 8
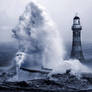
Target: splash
column 40, row 42
column 38, row 37
column 75, row 66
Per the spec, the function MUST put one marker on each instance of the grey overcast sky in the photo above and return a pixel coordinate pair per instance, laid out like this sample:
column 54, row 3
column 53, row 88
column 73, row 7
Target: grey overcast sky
column 61, row 11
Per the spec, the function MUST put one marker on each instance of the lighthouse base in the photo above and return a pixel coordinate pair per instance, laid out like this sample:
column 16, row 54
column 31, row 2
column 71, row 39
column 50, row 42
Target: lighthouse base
column 77, row 55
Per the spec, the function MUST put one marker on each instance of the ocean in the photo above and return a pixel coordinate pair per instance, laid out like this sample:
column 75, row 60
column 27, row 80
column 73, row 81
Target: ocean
column 8, row 51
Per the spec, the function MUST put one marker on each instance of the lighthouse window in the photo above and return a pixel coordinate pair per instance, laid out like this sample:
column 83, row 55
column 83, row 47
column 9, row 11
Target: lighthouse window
column 76, row 21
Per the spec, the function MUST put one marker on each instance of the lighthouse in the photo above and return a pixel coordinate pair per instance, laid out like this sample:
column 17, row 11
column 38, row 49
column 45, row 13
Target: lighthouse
column 76, row 52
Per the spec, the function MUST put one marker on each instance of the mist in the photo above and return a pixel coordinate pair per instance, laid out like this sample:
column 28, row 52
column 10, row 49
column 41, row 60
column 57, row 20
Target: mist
column 40, row 44
column 62, row 12
column 38, row 37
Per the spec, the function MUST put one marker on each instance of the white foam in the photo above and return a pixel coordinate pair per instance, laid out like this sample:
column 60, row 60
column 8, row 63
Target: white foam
column 41, row 42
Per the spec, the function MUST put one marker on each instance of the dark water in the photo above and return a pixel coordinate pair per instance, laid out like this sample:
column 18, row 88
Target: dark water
column 8, row 50
column 87, row 50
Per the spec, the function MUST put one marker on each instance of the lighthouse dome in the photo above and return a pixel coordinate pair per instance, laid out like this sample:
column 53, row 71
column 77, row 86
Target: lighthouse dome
column 76, row 17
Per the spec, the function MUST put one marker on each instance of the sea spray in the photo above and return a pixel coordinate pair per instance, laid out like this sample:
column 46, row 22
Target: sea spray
column 38, row 37
column 20, row 57
column 18, row 61
column 41, row 43
column 75, row 67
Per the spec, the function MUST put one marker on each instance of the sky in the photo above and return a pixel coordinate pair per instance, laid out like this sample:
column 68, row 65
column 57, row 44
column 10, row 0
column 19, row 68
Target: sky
column 61, row 12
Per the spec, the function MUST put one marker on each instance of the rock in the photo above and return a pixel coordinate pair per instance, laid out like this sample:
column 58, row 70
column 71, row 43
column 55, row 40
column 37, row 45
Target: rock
column 87, row 76
column 57, row 83
column 22, row 84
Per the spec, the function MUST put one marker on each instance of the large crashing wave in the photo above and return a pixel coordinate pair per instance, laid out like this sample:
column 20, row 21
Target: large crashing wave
column 40, row 43
column 38, row 37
